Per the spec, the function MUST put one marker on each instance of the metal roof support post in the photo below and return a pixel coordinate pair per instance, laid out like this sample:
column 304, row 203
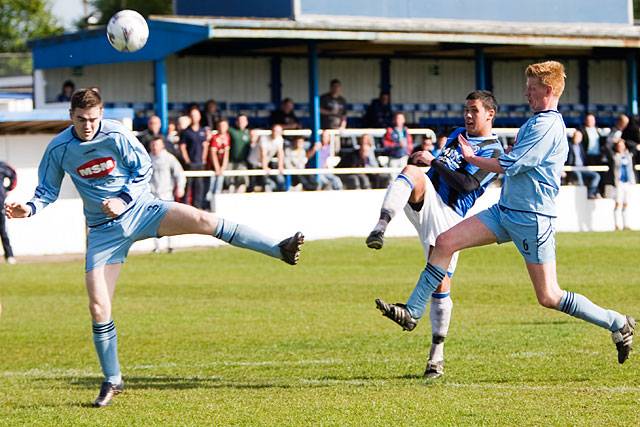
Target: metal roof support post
column 632, row 82
column 314, row 97
column 276, row 80
column 385, row 75
column 583, row 82
column 160, row 91
column 481, row 71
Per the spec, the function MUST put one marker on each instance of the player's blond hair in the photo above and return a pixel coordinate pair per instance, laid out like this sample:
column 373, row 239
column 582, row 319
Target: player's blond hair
column 550, row 73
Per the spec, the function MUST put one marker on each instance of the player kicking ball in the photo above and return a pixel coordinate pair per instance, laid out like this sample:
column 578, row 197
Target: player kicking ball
column 435, row 202
column 525, row 214
column 111, row 171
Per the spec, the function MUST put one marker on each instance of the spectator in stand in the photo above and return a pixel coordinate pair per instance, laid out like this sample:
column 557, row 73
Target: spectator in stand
column 624, row 179
column 211, row 115
column 296, row 157
column 193, row 148
column 256, row 183
column 168, row 180
column 379, row 113
column 240, row 146
column 219, row 146
column 592, row 141
column 68, row 87
column 616, row 131
column 578, row 158
column 398, row 142
column 285, row 116
column 441, row 141
column 327, row 159
column 152, row 132
column 364, row 157
column 425, row 145
column 631, row 134
column 8, row 181
column 333, row 107
column 272, row 157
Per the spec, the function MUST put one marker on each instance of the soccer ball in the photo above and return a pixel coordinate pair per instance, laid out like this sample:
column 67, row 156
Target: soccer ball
column 127, row 31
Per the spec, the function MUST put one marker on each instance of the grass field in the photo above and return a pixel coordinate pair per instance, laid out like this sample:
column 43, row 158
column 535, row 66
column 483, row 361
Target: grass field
column 225, row 336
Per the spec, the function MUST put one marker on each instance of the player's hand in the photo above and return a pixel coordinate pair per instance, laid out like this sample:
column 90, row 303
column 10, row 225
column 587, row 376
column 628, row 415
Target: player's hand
column 421, row 158
column 179, row 193
column 113, row 207
column 466, row 148
column 17, row 210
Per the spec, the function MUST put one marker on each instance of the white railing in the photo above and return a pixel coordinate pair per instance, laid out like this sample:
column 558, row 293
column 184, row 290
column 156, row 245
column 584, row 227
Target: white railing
column 344, row 133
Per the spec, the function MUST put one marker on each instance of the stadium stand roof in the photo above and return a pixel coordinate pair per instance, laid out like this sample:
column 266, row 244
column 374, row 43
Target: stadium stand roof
column 91, row 46
column 418, row 31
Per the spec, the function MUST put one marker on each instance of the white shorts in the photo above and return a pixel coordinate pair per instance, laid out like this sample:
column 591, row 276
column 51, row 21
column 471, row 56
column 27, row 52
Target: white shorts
column 622, row 191
column 434, row 218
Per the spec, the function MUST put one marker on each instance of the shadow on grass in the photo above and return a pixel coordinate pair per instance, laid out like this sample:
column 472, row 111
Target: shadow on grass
column 187, row 383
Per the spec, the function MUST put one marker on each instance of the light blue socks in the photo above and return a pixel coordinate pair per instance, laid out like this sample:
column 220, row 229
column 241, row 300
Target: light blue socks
column 245, row 237
column 106, row 341
column 579, row 306
column 429, row 280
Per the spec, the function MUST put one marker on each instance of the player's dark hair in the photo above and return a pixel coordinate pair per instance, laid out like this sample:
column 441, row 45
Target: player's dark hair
column 85, row 98
column 488, row 100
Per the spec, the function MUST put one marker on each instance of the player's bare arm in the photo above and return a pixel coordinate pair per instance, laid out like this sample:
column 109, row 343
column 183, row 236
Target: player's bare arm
column 492, row 164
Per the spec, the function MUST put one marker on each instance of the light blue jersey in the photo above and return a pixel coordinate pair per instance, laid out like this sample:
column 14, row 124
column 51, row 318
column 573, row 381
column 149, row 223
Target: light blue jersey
column 112, row 164
column 534, row 166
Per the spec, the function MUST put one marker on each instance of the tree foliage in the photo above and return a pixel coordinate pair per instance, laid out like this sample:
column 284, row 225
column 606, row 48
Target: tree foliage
column 108, row 8
column 23, row 20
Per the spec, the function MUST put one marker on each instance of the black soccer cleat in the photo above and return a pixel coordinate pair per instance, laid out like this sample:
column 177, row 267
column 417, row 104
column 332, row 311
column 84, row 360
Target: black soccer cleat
column 623, row 338
column 434, row 370
column 398, row 313
column 290, row 248
column 107, row 392
column 375, row 239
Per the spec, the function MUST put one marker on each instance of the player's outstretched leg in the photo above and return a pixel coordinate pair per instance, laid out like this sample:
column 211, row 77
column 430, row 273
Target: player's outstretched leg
column 242, row 236
column 184, row 219
column 409, row 185
column 549, row 294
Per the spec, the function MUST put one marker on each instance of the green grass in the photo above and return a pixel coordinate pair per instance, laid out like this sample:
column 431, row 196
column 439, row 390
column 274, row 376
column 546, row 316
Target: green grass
column 228, row 337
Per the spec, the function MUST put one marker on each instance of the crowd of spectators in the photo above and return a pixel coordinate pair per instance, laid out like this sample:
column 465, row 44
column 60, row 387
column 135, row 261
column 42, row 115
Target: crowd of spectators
column 204, row 140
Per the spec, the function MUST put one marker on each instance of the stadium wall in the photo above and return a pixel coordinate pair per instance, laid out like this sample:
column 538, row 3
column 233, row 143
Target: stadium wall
column 60, row 228
column 244, row 79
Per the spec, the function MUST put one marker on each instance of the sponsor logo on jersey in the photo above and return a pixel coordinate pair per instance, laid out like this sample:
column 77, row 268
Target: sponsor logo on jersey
column 97, row 168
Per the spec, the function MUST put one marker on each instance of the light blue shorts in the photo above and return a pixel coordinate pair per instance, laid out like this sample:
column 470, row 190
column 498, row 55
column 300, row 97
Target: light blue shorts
column 533, row 234
column 109, row 243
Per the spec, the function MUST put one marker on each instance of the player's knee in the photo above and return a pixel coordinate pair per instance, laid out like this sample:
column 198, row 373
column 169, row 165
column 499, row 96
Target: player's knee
column 100, row 312
column 548, row 300
column 412, row 172
column 206, row 221
column 445, row 243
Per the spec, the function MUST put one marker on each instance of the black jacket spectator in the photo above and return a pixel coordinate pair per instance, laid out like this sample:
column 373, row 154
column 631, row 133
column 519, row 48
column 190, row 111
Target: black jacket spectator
column 379, row 113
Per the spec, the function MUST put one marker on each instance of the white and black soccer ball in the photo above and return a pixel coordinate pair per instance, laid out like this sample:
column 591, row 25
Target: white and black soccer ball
column 127, row 31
